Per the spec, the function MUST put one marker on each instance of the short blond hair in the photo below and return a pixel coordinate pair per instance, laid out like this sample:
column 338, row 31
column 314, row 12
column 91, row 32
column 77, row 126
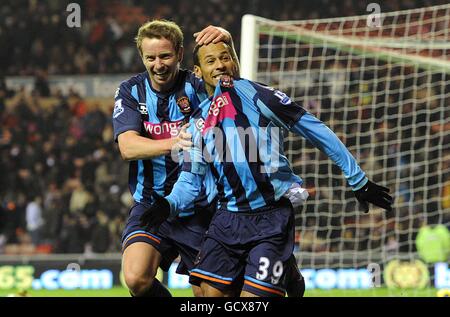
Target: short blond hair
column 160, row 29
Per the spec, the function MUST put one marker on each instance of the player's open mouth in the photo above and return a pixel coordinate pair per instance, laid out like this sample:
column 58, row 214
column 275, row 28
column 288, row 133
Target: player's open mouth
column 161, row 76
column 217, row 77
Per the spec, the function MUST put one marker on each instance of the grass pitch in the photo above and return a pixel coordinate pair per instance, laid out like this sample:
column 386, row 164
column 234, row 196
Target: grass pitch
column 123, row 292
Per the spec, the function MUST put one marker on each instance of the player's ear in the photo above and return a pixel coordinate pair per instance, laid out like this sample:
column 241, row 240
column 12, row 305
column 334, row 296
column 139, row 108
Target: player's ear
column 236, row 71
column 198, row 71
column 180, row 54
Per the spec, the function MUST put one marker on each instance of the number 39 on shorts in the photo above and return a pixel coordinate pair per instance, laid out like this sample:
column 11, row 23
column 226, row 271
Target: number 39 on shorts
column 263, row 270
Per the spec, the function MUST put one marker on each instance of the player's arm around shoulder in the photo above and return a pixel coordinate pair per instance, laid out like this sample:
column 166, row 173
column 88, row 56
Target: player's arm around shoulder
column 128, row 124
column 133, row 146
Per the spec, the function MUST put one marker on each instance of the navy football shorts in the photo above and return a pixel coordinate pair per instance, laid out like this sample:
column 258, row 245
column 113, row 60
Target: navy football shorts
column 255, row 245
column 180, row 236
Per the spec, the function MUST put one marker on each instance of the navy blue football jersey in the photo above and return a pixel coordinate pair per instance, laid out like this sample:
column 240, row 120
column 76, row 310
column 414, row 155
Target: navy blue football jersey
column 238, row 134
column 157, row 116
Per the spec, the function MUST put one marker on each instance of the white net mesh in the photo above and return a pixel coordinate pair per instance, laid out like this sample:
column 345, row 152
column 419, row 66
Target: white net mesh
column 384, row 90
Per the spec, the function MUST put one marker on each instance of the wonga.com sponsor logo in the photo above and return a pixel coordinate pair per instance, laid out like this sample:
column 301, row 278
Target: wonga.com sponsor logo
column 164, row 130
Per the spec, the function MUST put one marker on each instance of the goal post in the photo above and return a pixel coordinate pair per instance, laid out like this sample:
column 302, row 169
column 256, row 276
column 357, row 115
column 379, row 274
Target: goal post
column 384, row 90
column 363, row 39
column 249, row 41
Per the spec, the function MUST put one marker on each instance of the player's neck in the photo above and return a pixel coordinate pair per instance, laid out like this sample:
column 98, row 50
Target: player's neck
column 210, row 90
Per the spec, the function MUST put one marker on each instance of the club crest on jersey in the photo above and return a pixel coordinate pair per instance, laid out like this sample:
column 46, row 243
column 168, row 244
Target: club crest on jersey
column 143, row 108
column 226, row 81
column 184, row 105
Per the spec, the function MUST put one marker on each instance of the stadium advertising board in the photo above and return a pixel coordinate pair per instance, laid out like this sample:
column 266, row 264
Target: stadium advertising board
column 412, row 274
column 341, row 278
column 106, row 275
column 441, row 275
column 39, row 276
column 85, row 85
column 321, row 279
column 52, row 275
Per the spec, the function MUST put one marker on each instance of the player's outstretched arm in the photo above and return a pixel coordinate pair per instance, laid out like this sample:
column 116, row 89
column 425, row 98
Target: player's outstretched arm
column 326, row 140
column 283, row 112
column 319, row 135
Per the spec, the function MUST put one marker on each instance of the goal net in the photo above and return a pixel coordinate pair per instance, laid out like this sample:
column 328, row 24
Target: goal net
column 381, row 83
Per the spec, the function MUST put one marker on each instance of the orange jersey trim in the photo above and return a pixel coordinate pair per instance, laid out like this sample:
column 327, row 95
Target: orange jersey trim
column 209, row 278
column 142, row 235
column 264, row 288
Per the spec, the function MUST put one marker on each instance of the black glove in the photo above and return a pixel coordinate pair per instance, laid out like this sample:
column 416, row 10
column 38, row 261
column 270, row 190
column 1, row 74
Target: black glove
column 375, row 194
column 156, row 214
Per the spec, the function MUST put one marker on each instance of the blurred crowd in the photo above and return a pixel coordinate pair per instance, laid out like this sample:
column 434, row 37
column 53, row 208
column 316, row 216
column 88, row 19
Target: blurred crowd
column 35, row 37
column 63, row 184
